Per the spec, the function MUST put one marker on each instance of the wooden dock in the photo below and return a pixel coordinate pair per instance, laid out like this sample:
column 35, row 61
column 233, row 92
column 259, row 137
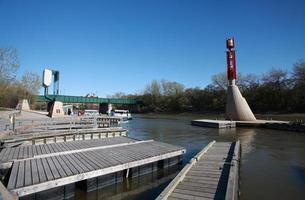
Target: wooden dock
column 8, row 155
column 44, row 167
column 214, row 123
column 65, row 123
column 42, row 137
column 211, row 174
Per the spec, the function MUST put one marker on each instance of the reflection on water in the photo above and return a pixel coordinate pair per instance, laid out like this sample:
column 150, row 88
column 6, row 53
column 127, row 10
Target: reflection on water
column 141, row 187
column 272, row 166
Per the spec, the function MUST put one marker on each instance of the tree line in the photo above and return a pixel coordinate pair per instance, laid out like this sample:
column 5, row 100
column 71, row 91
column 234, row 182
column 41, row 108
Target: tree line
column 277, row 90
column 12, row 87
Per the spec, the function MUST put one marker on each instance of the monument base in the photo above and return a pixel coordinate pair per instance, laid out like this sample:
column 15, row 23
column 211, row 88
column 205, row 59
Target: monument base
column 237, row 108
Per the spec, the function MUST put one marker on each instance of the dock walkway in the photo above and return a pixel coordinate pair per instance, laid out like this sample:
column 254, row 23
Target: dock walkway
column 79, row 160
column 211, row 174
column 32, row 151
column 62, row 136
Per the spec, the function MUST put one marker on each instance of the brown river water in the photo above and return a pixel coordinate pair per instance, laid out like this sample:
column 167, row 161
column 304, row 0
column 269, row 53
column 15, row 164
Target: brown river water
column 272, row 162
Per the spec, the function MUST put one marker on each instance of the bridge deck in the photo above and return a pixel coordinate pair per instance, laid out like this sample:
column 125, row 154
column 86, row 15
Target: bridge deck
column 211, row 174
column 80, row 99
column 33, row 175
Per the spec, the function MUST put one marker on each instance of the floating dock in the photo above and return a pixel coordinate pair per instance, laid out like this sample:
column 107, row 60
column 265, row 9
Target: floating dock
column 211, row 174
column 62, row 136
column 214, row 123
column 65, row 123
column 269, row 124
column 45, row 169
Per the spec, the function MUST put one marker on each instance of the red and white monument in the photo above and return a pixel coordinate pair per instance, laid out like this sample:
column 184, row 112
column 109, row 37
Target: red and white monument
column 237, row 108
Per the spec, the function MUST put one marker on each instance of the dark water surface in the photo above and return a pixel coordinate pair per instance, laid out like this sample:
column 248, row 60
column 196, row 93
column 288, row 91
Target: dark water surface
column 272, row 165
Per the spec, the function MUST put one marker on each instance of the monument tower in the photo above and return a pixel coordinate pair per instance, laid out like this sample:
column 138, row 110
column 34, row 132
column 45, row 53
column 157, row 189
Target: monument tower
column 237, row 107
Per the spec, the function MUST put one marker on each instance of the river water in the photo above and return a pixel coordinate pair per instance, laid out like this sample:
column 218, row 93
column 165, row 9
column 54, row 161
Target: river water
column 272, row 162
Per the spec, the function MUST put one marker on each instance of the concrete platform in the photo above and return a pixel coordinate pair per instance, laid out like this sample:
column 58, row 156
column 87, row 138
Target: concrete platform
column 269, row 124
column 214, row 123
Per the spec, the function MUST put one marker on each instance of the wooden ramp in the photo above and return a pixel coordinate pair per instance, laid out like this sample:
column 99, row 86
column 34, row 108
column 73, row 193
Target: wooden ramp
column 70, row 164
column 211, row 174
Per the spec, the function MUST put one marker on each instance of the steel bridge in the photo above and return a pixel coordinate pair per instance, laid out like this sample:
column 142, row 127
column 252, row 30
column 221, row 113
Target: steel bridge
column 80, row 99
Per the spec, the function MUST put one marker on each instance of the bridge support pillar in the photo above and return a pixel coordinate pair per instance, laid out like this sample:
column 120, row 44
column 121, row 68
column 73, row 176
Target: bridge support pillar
column 105, row 108
column 109, row 109
column 23, row 105
column 56, row 109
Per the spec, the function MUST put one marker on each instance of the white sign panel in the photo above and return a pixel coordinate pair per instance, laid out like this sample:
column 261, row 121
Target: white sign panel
column 47, row 77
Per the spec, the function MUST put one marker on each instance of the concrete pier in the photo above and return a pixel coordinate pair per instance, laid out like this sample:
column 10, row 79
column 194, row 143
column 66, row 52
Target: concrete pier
column 214, row 123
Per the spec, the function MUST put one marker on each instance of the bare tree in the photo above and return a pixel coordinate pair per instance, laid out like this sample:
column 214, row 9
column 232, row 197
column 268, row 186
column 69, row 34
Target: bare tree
column 9, row 65
column 31, row 83
column 220, row 81
column 298, row 73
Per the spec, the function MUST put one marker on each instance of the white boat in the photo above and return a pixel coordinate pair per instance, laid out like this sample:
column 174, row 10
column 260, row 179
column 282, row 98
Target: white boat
column 124, row 114
column 91, row 113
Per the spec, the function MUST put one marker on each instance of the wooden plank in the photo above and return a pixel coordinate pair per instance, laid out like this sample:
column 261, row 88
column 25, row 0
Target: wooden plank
column 50, row 146
column 86, row 158
column 20, row 176
column 43, row 149
column 59, row 168
column 71, row 162
column 66, row 146
column 26, row 152
column 20, row 154
column 232, row 188
column 47, row 169
column 197, row 188
column 30, row 152
column 34, row 171
column 35, row 150
column 2, row 153
column 59, row 147
column 201, row 183
column 46, row 146
column 68, row 168
column 13, row 176
column 6, row 155
column 55, row 147
column 85, row 166
column 39, row 151
column 11, row 154
column 28, row 173
column 41, row 172
column 53, row 168
column 104, row 162
column 187, row 197
column 195, row 193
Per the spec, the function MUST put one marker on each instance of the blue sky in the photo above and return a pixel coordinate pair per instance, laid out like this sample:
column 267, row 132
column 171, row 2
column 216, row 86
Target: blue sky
column 121, row 45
